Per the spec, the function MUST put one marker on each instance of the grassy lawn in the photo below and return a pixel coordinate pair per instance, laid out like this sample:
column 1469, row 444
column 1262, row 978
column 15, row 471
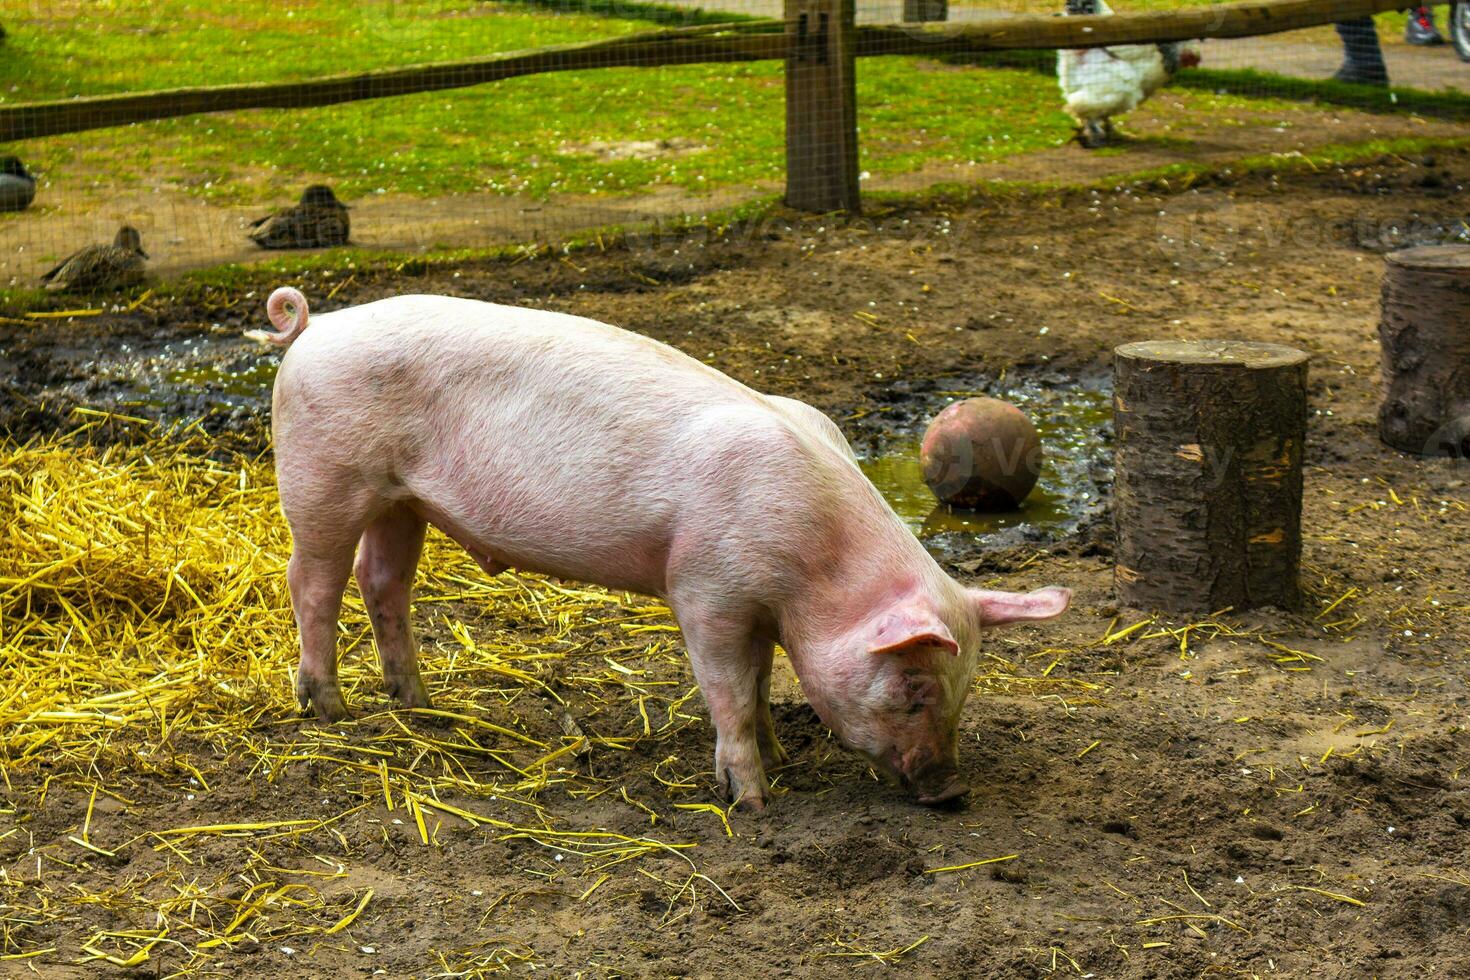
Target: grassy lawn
column 542, row 135
column 547, row 134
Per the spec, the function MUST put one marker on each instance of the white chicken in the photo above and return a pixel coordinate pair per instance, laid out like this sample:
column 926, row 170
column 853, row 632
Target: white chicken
column 1100, row 83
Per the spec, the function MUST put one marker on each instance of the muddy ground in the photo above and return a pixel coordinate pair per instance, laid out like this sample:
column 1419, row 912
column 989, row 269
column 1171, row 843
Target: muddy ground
column 1287, row 796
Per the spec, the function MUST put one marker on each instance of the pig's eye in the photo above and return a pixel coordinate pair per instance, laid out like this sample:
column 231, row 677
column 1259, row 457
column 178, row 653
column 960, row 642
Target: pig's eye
column 910, row 693
column 920, row 691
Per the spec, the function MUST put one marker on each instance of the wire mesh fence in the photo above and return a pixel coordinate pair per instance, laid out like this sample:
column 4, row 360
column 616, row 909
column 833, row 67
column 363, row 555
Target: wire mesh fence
column 413, row 125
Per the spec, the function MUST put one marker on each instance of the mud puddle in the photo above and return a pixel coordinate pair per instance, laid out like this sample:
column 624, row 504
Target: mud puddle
column 1074, row 420
column 207, row 382
column 243, row 379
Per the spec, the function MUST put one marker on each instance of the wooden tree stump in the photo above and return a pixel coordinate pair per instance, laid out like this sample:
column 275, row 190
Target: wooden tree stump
column 1425, row 335
column 1208, row 486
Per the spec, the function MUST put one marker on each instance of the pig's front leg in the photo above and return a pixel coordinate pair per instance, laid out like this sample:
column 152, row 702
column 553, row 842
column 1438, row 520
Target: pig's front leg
column 727, row 665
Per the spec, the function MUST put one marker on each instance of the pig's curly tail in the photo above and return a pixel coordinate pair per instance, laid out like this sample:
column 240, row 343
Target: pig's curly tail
column 288, row 327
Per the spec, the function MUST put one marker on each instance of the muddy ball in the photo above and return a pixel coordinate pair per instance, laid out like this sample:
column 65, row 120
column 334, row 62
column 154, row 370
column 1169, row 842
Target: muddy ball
column 981, row 453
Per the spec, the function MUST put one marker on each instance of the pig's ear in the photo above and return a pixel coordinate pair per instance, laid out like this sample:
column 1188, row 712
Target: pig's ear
column 911, row 628
column 999, row 608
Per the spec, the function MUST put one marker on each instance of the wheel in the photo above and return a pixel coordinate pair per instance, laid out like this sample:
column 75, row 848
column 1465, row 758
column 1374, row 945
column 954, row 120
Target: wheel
column 1460, row 29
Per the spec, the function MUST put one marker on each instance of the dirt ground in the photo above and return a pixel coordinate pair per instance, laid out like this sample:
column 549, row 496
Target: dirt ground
column 1262, row 794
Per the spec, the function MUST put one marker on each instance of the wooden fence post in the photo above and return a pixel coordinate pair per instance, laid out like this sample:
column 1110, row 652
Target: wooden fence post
column 821, row 106
column 918, row 11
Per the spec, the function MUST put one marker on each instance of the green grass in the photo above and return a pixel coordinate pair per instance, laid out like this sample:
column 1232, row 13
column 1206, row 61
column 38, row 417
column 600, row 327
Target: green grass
column 529, row 136
column 667, row 14
column 551, row 134
column 535, row 136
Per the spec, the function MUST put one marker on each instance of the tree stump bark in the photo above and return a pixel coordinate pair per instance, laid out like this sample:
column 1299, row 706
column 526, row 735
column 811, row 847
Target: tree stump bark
column 1425, row 335
column 1208, row 486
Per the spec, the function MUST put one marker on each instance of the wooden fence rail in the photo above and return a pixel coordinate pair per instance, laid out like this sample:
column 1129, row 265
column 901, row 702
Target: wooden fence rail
column 745, row 41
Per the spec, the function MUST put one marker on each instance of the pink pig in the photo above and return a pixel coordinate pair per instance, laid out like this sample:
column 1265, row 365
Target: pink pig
column 561, row 445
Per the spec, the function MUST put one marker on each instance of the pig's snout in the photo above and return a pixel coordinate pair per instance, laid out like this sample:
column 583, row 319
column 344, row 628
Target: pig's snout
column 939, row 788
column 932, row 780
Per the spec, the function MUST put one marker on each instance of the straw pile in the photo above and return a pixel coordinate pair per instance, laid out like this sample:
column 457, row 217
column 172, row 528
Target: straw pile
column 147, row 642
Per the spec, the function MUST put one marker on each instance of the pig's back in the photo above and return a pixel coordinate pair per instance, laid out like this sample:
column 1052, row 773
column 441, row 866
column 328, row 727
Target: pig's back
column 418, row 365
column 551, row 442
column 446, row 340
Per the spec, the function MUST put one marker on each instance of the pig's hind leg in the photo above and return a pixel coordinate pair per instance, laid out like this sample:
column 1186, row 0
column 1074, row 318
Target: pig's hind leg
column 327, row 516
column 317, row 574
column 387, row 557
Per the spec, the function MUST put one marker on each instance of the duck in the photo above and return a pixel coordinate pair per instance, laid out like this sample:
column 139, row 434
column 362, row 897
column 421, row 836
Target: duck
column 319, row 219
column 17, row 186
column 101, row 266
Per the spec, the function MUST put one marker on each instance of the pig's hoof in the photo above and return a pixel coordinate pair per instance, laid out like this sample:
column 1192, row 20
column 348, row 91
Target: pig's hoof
column 751, row 804
column 409, row 691
column 773, row 754
column 749, row 797
column 324, row 696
